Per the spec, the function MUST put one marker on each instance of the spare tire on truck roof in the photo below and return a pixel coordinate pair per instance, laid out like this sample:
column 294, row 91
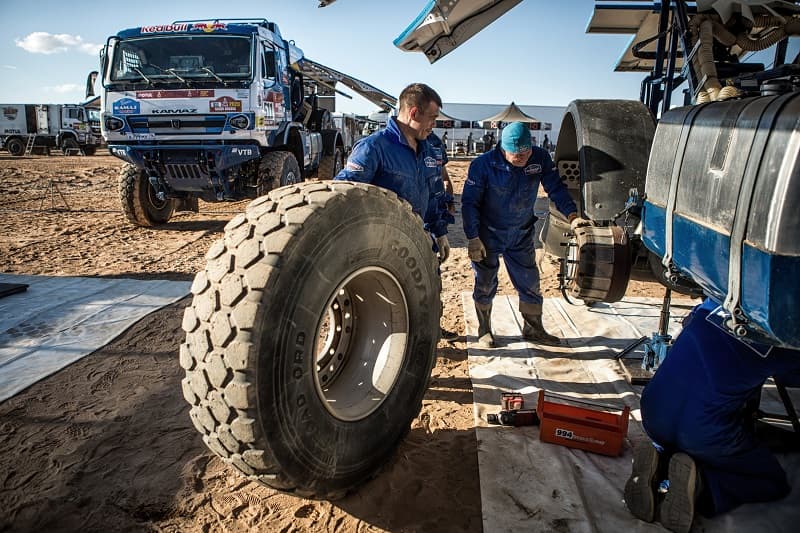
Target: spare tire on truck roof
column 311, row 336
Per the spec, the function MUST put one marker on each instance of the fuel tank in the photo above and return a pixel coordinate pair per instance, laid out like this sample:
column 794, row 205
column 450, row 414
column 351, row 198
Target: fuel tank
column 723, row 206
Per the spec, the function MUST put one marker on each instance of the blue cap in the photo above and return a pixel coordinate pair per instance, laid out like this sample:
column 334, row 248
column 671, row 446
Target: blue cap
column 516, row 137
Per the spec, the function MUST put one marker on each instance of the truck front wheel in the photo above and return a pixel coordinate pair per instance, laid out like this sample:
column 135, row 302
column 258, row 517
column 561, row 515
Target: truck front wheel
column 311, row 336
column 139, row 201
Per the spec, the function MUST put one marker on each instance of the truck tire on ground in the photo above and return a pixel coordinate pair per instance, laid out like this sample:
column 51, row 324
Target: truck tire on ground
column 68, row 145
column 311, row 336
column 139, row 201
column 15, row 147
column 276, row 170
column 331, row 165
column 89, row 150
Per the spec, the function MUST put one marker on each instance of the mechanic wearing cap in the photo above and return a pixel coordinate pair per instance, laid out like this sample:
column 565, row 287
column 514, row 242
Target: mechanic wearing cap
column 699, row 410
column 400, row 159
column 497, row 210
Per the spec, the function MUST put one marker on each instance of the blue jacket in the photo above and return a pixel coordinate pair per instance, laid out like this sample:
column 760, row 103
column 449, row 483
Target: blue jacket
column 385, row 159
column 498, row 198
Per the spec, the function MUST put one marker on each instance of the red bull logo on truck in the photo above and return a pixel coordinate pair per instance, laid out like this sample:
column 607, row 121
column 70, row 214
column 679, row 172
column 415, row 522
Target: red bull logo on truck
column 209, row 27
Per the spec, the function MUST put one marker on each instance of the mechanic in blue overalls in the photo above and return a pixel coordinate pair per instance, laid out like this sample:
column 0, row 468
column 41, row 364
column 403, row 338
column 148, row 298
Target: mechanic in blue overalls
column 698, row 409
column 497, row 210
column 400, row 159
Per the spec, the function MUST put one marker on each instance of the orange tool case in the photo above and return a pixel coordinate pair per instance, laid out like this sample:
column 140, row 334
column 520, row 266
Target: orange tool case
column 583, row 424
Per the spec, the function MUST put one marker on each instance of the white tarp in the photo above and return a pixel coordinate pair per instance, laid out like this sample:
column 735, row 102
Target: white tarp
column 528, row 485
column 58, row 320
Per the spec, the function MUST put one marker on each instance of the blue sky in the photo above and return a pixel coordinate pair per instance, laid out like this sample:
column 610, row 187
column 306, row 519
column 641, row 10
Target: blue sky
column 537, row 54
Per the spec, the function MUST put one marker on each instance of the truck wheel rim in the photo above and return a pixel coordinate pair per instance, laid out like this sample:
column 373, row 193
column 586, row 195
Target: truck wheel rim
column 361, row 343
column 154, row 201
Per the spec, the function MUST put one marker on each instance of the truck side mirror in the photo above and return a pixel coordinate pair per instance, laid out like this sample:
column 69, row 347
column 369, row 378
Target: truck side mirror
column 90, row 79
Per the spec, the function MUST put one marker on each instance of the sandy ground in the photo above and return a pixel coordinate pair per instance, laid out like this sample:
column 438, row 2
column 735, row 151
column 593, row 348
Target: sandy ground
column 106, row 444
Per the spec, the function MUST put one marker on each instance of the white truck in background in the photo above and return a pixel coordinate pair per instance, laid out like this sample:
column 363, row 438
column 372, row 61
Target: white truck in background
column 28, row 128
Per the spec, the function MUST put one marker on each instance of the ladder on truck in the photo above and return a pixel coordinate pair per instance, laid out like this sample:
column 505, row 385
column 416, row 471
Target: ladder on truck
column 29, row 145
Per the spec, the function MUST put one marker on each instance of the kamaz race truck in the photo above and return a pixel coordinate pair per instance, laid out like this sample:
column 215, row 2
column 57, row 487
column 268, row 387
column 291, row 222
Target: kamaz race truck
column 216, row 110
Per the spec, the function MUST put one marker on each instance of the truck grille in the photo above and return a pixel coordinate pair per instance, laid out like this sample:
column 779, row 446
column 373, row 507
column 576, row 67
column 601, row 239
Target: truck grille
column 177, row 124
column 185, row 171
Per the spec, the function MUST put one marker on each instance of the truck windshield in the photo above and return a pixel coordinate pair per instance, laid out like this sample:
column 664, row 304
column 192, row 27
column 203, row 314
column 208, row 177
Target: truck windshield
column 175, row 58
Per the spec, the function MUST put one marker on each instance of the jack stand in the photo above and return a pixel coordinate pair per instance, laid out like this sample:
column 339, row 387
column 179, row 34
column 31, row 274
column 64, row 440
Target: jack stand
column 656, row 348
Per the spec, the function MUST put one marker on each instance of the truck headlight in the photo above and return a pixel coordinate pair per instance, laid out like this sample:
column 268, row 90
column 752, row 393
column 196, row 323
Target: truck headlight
column 114, row 124
column 240, row 122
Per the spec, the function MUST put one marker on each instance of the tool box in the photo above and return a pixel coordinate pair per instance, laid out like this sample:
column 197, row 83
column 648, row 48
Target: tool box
column 584, row 424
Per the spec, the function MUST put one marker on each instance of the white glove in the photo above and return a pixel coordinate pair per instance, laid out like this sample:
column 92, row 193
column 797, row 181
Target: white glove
column 444, row 248
column 476, row 249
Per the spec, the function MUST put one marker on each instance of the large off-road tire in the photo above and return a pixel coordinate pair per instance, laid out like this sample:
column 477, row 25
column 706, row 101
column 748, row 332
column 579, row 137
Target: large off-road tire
column 311, row 336
column 276, row 170
column 15, row 147
column 89, row 150
column 139, row 201
column 331, row 165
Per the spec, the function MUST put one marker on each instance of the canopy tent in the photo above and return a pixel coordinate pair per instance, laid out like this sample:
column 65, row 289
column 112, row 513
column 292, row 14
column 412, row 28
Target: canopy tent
column 512, row 113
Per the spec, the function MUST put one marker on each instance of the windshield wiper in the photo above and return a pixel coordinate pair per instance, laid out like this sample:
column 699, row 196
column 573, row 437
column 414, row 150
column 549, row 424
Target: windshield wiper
column 139, row 71
column 172, row 71
column 206, row 69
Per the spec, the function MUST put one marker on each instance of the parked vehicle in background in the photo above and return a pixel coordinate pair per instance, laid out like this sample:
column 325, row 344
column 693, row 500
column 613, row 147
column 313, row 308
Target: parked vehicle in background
column 28, row 128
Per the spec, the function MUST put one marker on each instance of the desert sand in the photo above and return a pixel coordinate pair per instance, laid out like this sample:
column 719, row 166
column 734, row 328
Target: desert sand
column 107, row 445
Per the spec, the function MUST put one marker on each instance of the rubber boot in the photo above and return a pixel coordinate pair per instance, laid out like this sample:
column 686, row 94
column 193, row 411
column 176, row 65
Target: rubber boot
column 533, row 330
column 485, row 337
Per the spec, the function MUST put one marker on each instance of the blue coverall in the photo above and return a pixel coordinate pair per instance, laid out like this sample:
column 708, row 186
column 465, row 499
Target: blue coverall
column 385, row 159
column 497, row 206
column 695, row 404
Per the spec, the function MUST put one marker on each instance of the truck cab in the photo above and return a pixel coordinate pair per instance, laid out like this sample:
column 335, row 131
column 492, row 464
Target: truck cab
column 216, row 110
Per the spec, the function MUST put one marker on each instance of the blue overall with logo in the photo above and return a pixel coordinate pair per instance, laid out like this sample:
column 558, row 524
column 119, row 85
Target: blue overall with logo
column 695, row 404
column 385, row 159
column 497, row 206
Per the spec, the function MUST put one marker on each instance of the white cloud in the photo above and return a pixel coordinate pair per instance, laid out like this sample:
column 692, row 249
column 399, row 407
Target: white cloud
column 41, row 42
column 10, row 67
column 66, row 88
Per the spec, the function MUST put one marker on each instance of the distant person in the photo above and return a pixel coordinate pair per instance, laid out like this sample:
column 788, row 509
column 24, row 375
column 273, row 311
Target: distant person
column 446, row 202
column 444, row 141
column 469, row 143
column 546, row 143
column 488, row 140
column 497, row 211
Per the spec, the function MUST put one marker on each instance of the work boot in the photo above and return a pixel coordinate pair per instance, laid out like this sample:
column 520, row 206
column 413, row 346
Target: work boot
column 640, row 487
column 676, row 512
column 485, row 337
column 533, row 330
